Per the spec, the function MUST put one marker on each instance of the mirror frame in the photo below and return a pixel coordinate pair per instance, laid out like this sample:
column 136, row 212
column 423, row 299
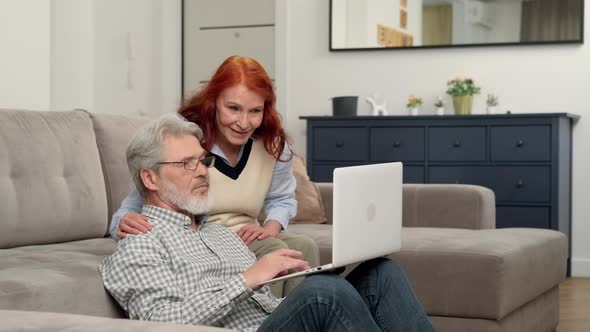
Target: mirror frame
column 573, row 41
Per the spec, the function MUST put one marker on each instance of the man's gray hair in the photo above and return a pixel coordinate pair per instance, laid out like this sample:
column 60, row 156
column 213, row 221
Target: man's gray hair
column 145, row 148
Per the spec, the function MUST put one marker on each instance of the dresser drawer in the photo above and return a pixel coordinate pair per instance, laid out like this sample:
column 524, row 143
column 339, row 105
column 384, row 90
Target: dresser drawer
column 515, row 216
column 510, row 184
column 457, row 144
column 413, row 174
column 478, row 175
column 521, row 184
column 397, row 144
column 339, row 144
column 325, row 173
column 520, row 143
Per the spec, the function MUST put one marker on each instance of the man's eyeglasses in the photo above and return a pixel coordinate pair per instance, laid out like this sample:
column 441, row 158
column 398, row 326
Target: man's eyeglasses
column 193, row 163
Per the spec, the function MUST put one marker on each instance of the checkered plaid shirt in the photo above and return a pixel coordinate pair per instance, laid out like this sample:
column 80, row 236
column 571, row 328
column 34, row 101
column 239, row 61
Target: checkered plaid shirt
column 177, row 274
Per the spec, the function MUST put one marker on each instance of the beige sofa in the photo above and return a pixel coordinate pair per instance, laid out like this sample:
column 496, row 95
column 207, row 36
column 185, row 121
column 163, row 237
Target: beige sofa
column 62, row 174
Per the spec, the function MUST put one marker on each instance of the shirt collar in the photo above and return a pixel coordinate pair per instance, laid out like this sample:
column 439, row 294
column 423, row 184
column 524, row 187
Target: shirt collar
column 165, row 215
column 217, row 151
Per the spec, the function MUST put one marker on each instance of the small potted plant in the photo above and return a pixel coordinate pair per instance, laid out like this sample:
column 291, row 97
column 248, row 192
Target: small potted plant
column 440, row 109
column 414, row 104
column 491, row 103
column 462, row 90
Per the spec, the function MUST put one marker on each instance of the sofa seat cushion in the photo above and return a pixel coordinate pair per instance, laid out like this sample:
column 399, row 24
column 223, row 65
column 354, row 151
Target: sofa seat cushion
column 57, row 278
column 481, row 273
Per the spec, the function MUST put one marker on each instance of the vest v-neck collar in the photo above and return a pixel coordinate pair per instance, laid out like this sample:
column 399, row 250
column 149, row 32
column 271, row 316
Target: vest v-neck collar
column 234, row 172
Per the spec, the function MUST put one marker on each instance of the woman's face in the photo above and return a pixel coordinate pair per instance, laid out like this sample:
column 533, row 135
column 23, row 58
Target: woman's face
column 239, row 113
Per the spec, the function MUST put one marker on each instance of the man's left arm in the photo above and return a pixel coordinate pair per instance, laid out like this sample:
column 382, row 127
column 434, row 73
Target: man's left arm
column 139, row 277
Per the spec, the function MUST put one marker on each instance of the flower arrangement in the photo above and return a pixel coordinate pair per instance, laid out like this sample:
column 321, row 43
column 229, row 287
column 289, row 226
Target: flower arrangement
column 414, row 101
column 439, row 103
column 462, row 86
column 492, row 100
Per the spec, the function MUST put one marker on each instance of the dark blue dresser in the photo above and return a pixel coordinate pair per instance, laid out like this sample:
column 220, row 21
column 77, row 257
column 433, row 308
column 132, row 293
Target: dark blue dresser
column 524, row 158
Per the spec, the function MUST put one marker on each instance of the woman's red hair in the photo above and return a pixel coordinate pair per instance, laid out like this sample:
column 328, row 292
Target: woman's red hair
column 200, row 108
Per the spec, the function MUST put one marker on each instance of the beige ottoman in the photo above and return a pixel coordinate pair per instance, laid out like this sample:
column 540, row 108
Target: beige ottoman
column 486, row 280
column 478, row 280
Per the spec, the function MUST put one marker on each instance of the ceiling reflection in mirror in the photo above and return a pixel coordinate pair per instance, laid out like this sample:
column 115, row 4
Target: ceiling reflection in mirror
column 374, row 24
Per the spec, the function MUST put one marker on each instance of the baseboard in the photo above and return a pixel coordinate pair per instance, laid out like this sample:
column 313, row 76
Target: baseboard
column 580, row 267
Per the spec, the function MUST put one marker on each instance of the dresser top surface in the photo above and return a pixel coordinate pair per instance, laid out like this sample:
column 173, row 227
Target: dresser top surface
column 573, row 117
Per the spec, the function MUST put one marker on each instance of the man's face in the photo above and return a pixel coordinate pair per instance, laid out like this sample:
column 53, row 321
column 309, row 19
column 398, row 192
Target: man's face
column 182, row 189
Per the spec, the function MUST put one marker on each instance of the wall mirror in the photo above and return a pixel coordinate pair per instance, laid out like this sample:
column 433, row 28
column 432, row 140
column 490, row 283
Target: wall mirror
column 393, row 24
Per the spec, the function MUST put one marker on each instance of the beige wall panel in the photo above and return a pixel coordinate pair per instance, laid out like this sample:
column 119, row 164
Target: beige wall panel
column 207, row 49
column 229, row 12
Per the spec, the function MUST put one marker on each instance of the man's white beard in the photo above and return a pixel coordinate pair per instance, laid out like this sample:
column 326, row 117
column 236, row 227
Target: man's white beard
column 184, row 201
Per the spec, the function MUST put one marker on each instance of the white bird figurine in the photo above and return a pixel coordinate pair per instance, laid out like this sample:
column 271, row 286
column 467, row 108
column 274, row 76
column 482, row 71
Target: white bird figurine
column 377, row 108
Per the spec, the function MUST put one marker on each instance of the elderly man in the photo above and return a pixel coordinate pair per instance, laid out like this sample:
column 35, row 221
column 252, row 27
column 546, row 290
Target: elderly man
column 188, row 271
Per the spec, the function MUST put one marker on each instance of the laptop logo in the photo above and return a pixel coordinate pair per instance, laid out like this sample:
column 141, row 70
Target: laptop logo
column 371, row 212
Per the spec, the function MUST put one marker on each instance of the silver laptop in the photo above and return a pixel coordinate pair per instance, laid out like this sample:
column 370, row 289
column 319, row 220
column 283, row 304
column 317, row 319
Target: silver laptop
column 367, row 215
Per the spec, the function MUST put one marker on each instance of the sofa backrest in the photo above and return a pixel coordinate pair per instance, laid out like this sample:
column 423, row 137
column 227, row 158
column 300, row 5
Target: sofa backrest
column 113, row 133
column 438, row 205
column 51, row 183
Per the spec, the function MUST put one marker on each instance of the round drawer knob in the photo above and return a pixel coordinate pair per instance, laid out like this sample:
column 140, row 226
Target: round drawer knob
column 457, row 144
column 397, row 144
column 519, row 183
column 519, row 143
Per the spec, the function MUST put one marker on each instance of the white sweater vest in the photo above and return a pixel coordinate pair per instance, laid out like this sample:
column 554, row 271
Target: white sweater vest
column 235, row 203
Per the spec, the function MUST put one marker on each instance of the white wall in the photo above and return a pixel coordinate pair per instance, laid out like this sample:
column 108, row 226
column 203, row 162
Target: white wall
column 528, row 79
column 25, row 54
column 72, row 55
column 107, row 56
column 137, row 47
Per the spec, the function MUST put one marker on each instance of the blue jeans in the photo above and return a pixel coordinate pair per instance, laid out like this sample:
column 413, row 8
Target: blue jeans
column 376, row 296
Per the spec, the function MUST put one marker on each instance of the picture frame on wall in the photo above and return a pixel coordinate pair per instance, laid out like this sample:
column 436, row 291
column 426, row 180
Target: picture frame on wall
column 538, row 26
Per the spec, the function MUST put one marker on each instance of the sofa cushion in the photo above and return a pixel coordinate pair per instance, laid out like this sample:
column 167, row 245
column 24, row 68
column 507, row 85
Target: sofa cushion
column 57, row 278
column 310, row 208
column 481, row 273
column 51, row 178
column 321, row 234
column 113, row 133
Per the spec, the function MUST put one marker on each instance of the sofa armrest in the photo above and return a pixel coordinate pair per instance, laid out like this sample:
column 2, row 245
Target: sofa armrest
column 438, row 205
column 449, row 206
